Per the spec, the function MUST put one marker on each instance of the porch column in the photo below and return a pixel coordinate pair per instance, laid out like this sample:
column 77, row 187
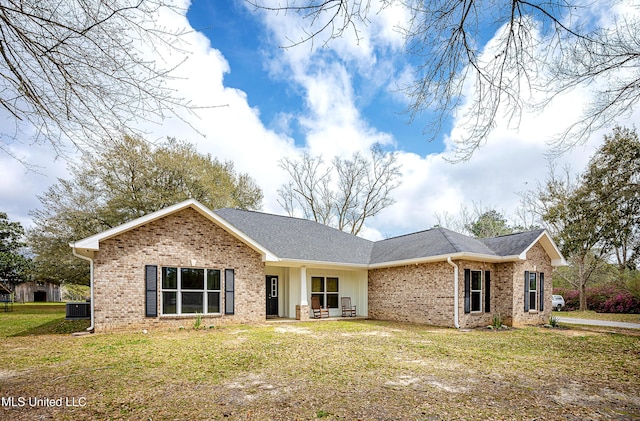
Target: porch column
column 302, row 310
column 303, row 286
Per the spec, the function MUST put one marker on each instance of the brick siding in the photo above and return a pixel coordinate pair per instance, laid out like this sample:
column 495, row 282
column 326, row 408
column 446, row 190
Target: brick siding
column 180, row 240
column 420, row 293
column 423, row 293
column 537, row 261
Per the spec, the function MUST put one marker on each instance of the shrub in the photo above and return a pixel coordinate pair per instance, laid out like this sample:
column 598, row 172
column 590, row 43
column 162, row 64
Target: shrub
column 197, row 324
column 496, row 321
column 571, row 298
column 608, row 298
column 622, row 302
column 596, row 296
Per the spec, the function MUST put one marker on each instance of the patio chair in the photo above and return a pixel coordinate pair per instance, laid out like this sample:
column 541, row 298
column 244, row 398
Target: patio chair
column 318, row 311
column 347, row 309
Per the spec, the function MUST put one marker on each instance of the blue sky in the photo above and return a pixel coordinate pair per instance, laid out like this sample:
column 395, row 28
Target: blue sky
column 247, row 46
column 328, row 101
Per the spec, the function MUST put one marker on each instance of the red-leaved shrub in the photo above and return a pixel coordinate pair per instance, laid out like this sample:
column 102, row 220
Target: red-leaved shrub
column 623, row 302
column 608, row 298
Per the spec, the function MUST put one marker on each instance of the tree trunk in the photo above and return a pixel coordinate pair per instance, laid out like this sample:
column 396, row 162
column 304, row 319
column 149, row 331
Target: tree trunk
column 582, row 282
column 583, row 297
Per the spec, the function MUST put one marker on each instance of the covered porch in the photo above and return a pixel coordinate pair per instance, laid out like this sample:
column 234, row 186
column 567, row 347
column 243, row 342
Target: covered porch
column 289, row 291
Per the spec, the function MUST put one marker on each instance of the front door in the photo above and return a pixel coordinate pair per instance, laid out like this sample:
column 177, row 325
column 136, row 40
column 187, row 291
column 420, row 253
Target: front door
column 272, row 295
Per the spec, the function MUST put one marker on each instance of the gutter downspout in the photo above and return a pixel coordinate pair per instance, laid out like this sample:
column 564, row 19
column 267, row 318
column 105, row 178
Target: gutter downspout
column 92, row 327
column 455, row 293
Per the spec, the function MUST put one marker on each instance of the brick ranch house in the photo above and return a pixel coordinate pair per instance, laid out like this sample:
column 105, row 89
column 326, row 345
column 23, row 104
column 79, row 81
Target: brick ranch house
column 236, row 266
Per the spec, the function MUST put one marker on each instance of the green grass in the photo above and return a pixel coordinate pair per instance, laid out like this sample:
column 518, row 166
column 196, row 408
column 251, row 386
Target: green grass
column 331, row 370
column 38, row 319
column 613, row 317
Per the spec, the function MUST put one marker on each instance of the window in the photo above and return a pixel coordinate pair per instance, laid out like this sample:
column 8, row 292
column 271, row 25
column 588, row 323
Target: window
column 476, row 287
column 190, row 290
column 533, row 290
column 326, row 289
column 476, row 290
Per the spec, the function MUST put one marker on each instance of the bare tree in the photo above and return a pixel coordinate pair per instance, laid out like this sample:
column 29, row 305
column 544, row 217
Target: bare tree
column 362, row 188
column 556, row 43
column 82, row 69
column 609, row 60
column 308, row 190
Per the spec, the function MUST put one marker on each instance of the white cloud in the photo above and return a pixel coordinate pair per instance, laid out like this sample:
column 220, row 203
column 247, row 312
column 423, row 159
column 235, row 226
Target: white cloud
column 332, row 122
column 19, row 185
column 230, row 129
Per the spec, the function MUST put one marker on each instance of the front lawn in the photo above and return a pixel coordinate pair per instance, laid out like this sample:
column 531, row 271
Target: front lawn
column 333, row 370
column 37, row 319
column 592, row 315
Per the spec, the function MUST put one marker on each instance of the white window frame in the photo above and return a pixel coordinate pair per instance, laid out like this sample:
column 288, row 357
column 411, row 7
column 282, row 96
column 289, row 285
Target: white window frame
column 476, row 291
column 533, row 304
column 179, row 290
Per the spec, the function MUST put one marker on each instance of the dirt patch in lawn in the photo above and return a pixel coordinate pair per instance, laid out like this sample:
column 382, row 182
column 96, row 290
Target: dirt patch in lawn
column 8, row 374
column 578, row 333
column 293, row 329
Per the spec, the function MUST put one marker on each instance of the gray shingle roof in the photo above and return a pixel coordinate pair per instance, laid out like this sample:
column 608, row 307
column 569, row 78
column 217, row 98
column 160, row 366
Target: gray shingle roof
column 512, row 244
column 433, row 242
column 282, row 237
column 301, row 239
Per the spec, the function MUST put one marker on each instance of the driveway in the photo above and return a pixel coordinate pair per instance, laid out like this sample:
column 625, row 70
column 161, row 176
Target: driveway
column 623, row 325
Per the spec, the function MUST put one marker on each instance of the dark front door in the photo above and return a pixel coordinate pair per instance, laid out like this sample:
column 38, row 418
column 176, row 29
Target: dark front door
column 40, row 296
column 272, row 295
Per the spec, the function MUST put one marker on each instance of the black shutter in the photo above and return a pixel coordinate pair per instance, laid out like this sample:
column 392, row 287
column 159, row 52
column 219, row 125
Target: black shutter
column 467, row 290
column 541, row 291
column 229, row 280
column 487, row 291
column 151, row 295
column 526, row 291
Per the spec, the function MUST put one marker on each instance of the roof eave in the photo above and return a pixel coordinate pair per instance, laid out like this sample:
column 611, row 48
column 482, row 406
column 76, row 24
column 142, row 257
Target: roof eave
column 547, row 243
column 443, row 257
column 91, row 244
column 318, row 263
column 88, row 253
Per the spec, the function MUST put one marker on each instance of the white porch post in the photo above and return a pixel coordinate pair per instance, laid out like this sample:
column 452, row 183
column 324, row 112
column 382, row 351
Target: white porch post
column 303, row 286
column 302, row 309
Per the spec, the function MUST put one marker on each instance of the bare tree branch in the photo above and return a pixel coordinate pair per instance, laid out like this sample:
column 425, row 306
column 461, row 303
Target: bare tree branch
column 326, row 19
column 363, row 188
column 83, row 70
column 540, row 48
